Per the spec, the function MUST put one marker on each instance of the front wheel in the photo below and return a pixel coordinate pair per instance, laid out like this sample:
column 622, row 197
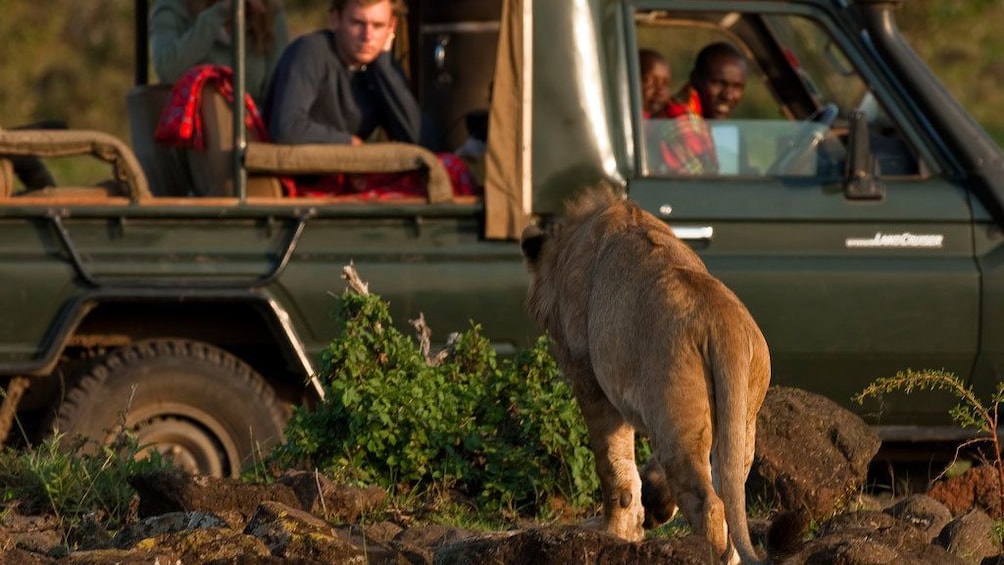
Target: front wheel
column 201, row 407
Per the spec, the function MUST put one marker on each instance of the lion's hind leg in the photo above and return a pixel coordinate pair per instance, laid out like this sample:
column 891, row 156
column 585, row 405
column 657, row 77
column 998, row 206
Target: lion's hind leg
column 612, row 441
column 686, row 461
column 656, row 497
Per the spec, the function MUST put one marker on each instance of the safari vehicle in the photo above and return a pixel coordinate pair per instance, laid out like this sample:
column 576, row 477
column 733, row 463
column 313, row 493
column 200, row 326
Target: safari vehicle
column 857, row 211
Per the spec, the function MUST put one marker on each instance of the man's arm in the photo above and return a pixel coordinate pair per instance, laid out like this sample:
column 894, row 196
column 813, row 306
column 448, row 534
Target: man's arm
column 294, row 88
column 402, row 116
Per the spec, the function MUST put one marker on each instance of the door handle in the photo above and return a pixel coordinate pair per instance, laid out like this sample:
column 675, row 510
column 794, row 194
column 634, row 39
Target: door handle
column 696, row 233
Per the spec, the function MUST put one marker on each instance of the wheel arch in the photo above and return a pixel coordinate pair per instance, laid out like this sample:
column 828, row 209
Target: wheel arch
column 253, row 327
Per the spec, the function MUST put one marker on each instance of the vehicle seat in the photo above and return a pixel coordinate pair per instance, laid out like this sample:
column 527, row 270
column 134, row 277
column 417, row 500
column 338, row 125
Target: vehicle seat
column 165, row 166
column 266, row 162
column 313, row 159
column 212, row 167
column 128, row 177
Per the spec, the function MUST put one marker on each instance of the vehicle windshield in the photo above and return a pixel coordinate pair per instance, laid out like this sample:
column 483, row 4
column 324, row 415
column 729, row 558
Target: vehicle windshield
column 821, row 65
column 787, row 112
column 742, row 147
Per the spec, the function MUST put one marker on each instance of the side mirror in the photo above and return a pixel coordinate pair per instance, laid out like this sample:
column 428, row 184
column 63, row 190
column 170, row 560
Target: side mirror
column 861, row 167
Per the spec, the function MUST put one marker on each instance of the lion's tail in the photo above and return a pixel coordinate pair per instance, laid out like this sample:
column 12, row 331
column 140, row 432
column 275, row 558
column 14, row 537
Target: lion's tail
column 731, row 388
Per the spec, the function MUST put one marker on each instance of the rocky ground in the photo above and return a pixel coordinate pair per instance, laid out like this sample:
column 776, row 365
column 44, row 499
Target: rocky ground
column 815, row 471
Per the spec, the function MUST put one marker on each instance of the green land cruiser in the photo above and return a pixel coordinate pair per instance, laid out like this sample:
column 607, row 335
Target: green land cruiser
column 857, row 211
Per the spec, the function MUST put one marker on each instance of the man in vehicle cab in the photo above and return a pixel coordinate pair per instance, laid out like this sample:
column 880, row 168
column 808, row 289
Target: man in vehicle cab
column 717, row 83
column 679, row 142
column 716, row 86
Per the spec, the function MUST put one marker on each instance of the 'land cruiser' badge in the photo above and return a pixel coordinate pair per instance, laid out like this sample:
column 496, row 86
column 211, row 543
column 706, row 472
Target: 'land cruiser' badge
column 898, row 240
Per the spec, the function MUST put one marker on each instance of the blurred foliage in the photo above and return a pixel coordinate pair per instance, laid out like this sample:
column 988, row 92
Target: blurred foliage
column 75, row 64
column 961, row 42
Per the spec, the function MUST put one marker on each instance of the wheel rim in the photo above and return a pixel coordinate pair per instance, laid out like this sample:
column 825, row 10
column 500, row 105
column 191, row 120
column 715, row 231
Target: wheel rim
column 193, row 440
column 183, row 443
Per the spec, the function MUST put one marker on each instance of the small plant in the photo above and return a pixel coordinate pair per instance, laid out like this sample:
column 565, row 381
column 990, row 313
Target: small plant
column 71, row 478
column 970, row 413
column 676, row 527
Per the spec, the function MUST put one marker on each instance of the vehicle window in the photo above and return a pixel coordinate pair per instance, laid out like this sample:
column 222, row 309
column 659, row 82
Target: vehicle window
column 792, row 116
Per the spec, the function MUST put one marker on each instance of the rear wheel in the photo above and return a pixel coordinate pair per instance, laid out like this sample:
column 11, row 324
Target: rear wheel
column 196, row 404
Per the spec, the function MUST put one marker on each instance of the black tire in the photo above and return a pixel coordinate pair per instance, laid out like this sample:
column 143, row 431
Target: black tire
column 204, row 408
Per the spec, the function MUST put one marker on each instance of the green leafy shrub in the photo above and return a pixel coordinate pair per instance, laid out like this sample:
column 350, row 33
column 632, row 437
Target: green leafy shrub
column 537, row 445
column 506, row 433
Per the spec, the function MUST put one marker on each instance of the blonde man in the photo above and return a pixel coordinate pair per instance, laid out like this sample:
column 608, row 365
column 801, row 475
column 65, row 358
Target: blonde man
column 339, row 84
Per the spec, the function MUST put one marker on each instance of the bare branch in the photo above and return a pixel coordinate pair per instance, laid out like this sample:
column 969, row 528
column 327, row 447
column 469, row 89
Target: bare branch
column 424, row 338
column 355, row 283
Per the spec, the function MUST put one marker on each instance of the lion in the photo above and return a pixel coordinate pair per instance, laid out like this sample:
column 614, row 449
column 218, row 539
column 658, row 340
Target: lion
column 651, row 342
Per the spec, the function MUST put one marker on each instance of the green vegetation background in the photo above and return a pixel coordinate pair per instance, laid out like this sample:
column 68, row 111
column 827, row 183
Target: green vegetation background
column 73, row 60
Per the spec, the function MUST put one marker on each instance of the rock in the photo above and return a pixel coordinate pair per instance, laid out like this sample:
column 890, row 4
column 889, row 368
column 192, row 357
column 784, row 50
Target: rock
column 812, row 455
column 384, row 531
column 291, row 533
column 203, row 545
column 419, row 544
column 970, row 537
column 43, row 542
column 168, row 523
column 115, row 557
column 976, row 488
column 870, row 538
column 22, row 557
column 432, row 536
column 90, row 533
column 38, row 536
column 568, row 544
column 338, row 503
column 173, row 490
column 868, row 523
column 923, row 512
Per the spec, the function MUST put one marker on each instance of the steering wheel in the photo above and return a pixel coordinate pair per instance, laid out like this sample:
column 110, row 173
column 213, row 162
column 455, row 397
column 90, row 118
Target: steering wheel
column 805, row 141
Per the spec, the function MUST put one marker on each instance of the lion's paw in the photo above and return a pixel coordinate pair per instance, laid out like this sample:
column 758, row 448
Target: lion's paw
column 627, row 523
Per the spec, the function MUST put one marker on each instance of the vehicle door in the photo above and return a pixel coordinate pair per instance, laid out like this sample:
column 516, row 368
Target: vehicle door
column 850, row 281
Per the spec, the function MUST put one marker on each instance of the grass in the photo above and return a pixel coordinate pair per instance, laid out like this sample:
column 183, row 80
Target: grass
column 71, row 479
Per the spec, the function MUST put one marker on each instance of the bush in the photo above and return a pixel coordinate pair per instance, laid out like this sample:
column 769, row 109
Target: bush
column 506, row 433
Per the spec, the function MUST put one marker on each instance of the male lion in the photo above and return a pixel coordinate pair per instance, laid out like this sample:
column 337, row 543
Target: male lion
column 651, row 341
